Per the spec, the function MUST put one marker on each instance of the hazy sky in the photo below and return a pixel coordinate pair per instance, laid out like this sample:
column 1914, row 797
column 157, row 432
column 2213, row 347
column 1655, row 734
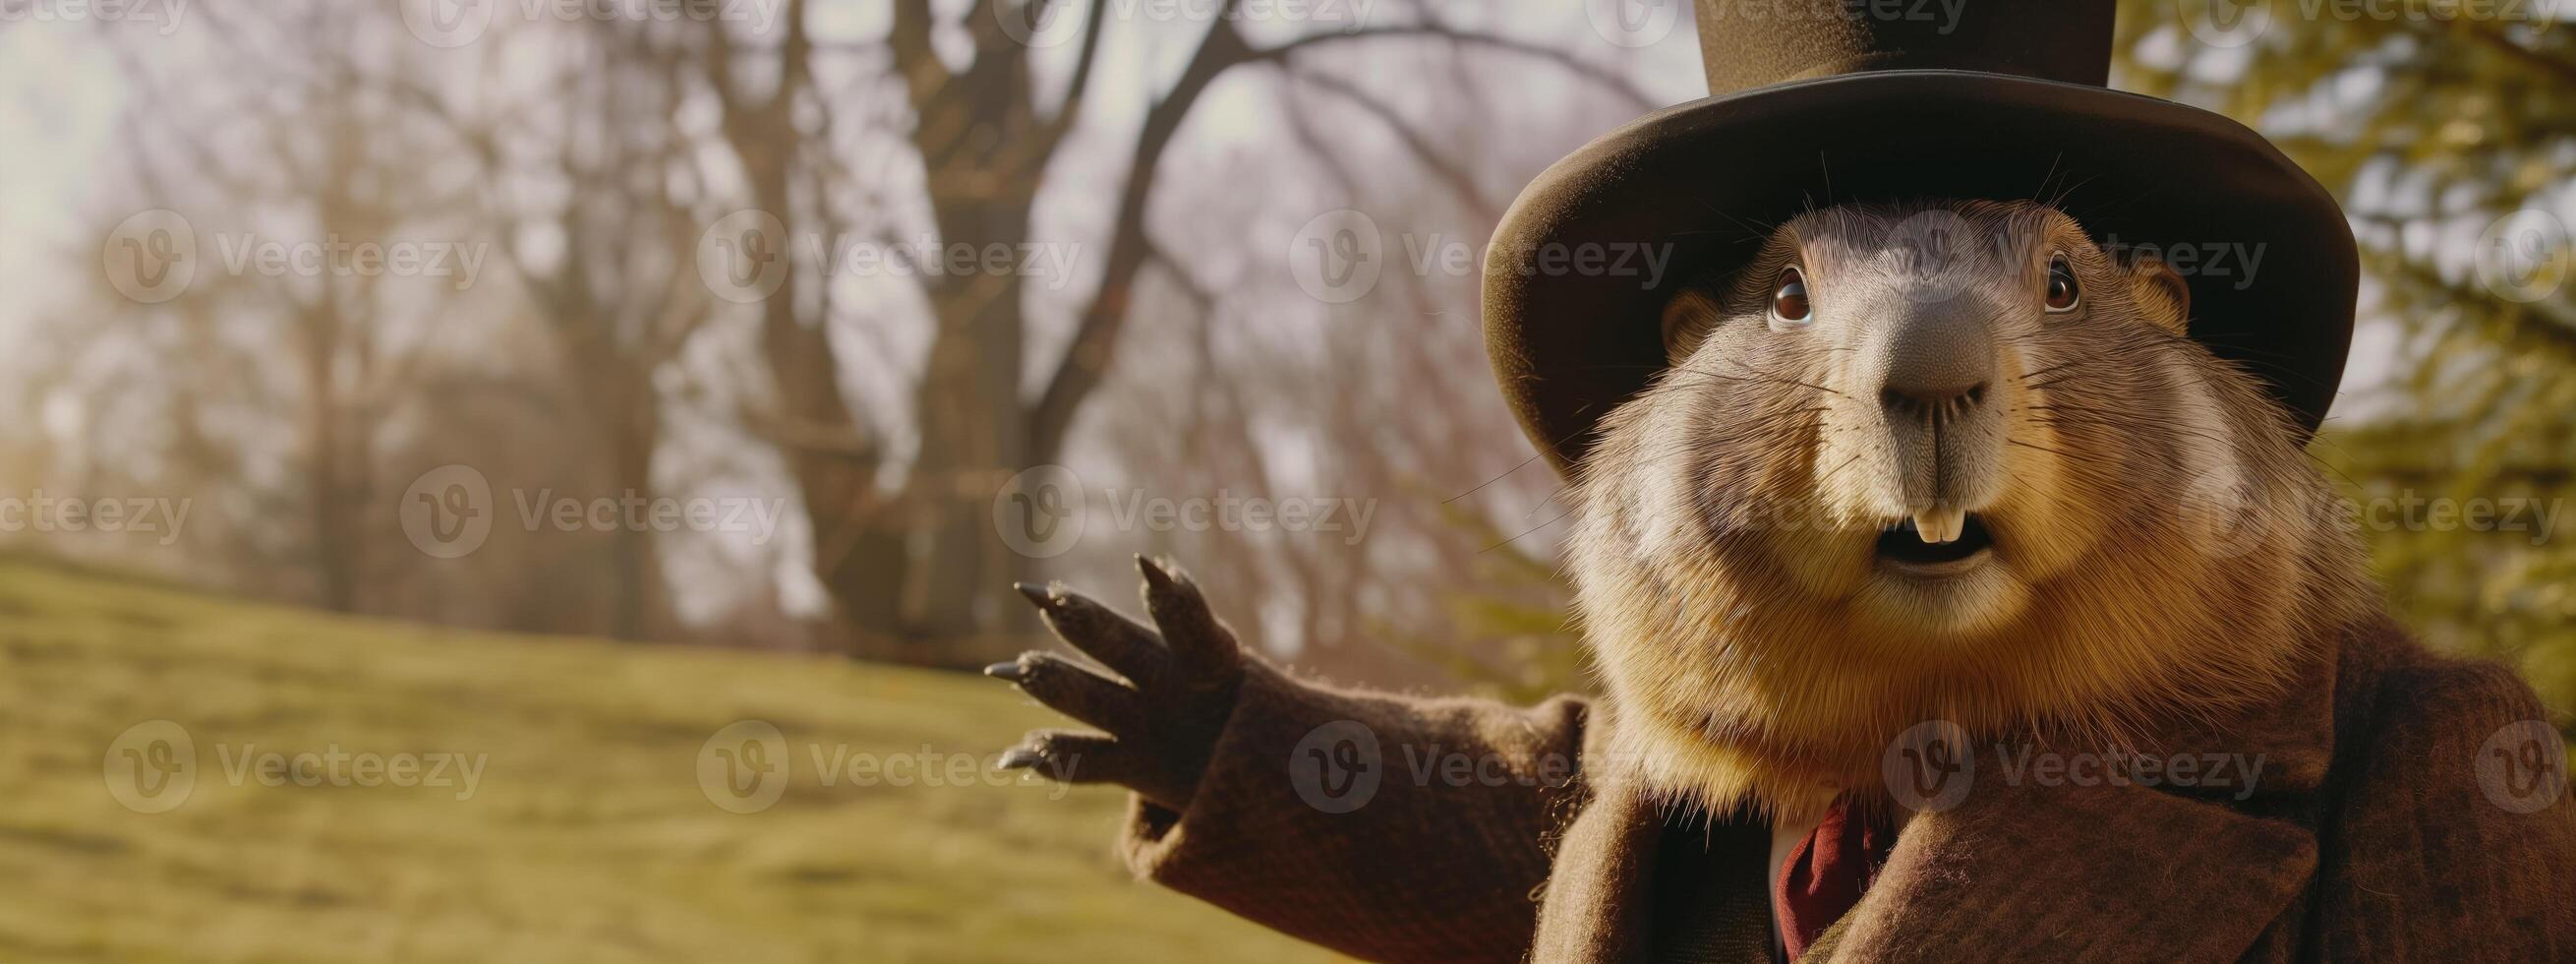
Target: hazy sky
column 61, row 94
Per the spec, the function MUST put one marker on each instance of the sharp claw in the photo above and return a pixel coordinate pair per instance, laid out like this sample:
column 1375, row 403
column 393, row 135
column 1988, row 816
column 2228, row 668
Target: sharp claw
column 1043, row 597
column 1018, row 758
column 1011, row 671
column 1154, row 573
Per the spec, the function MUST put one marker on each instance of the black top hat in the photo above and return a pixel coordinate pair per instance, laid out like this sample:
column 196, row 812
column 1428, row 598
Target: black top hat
column 1820, row 102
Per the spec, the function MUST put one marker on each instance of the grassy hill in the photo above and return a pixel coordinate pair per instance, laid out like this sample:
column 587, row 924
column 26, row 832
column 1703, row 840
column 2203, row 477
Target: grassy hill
column 586, row 834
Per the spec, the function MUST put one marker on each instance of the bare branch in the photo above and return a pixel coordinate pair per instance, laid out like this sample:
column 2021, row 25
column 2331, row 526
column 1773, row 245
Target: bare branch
column 1448, row 171
column 1616, row 82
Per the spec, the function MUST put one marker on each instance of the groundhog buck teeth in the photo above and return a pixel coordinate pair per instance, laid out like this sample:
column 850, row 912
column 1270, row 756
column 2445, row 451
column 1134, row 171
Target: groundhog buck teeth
column 1770, row 555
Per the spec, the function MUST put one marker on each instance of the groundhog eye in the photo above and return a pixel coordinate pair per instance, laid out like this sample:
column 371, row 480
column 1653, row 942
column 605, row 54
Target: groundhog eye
column 2063, row 295
column 1789, row 301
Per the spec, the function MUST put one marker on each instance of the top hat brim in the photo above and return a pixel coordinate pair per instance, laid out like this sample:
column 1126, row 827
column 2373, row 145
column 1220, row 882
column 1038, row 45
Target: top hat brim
column 1573, row 331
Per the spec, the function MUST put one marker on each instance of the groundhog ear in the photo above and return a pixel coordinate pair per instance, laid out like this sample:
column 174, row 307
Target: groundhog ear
column 2162, row 295
column 1687, row 319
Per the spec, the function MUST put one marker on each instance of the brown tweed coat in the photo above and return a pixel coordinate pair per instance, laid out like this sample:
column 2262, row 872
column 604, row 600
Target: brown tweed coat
column 2369, row 833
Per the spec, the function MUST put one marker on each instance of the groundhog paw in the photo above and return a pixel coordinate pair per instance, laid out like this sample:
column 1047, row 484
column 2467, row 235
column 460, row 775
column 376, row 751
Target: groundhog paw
column 1163, row 709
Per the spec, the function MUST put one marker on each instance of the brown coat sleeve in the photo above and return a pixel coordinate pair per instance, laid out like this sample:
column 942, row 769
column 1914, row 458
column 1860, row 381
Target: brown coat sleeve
column 2436, row 861
column 1388, row 828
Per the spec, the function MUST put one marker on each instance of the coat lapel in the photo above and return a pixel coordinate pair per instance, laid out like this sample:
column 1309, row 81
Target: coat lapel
column 2024, row 867
column 2097, row 873
column 1598, row 893
column 2027, row 868
column 1636, row 883
column 2014, row 873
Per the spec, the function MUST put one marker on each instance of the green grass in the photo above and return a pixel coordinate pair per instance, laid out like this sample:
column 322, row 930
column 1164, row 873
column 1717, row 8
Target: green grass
column 588, row 836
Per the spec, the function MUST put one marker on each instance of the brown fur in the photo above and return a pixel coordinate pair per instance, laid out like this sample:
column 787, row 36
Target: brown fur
column 2156, row 553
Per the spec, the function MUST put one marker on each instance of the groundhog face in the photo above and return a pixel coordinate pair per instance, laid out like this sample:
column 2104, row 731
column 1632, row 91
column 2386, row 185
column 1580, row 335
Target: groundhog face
column 1956, row 461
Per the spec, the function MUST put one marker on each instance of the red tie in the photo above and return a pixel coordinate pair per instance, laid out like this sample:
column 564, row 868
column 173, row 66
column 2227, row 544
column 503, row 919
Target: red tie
column 1827, row 872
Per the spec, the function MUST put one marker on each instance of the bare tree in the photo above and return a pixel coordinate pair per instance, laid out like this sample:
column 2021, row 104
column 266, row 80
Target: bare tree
column 918, row 563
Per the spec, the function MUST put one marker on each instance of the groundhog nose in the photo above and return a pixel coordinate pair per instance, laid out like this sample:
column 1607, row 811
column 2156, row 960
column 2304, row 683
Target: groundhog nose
column 1918, row 401
column 1939, row 363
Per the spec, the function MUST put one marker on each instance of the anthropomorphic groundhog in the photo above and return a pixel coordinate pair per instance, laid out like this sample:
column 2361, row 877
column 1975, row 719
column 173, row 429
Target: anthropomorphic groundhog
column 1958, row 586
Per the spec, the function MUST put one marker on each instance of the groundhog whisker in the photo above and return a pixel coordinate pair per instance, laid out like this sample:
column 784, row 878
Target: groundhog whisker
column 2045, row 369
column 1846, row 463
column 1709, row 377
column 2233, row 445
column 1758, row 377
column 2240, row 367
column 1559, row 517
column 2030, row 445
column 1700, row 380
column 1791, row 381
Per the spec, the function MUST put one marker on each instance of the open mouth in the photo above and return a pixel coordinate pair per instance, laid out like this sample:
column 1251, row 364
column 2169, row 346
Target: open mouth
column 1904, row 545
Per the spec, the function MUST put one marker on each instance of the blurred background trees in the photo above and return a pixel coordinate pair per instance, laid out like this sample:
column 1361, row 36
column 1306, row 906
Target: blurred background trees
column 2451, row 140
column 1151, row 182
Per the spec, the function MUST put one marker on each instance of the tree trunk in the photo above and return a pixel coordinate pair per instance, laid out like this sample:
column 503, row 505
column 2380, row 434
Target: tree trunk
column 639, row 601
